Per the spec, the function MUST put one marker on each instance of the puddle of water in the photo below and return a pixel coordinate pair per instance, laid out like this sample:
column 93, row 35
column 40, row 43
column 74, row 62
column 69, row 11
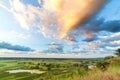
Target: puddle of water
column 29, row 71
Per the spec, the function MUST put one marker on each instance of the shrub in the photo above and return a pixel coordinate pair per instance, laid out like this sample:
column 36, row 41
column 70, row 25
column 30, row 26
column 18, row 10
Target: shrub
column 109, row 57
column 102, row 65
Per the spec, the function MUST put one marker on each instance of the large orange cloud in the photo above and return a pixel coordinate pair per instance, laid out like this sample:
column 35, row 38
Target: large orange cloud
column 71, row 13
column 67, row 15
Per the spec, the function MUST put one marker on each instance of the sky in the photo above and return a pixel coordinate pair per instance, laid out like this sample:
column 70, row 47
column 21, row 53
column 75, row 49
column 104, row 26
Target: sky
column 59, row 28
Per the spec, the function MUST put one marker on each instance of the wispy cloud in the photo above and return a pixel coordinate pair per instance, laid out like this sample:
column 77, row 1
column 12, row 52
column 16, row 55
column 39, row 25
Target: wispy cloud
column 8, row 53
column 4, row 7
column 20, row 35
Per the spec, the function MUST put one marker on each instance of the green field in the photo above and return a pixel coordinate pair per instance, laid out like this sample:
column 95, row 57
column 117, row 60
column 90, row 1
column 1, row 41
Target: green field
column 58, row 69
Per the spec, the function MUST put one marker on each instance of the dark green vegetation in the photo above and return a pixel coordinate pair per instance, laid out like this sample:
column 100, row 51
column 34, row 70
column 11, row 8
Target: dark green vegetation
column 117, row 52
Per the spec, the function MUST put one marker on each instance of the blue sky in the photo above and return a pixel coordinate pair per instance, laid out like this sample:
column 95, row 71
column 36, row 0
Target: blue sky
column 31, row 25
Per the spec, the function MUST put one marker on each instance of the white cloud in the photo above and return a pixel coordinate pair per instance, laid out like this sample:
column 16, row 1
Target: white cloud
column 4, row 7
column 24, row 14
column 115, row 42
column 29, row 16
column 40, row 2
column 112, row 36
column 20, row 35
column 37, row 54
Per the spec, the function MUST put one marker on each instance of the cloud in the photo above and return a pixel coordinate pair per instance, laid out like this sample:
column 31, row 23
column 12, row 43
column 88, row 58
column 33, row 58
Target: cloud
column 69, row 17
column 112, row 37
column 95, row 28
column 78, row 23
column 103, row 41
column 69, row 22
column 4, row 45
column 102, row 25
column 7, row 53
column 22, row 13
column 56, row 19
column 111, row 40
column 4, row 7
column 56, row 15
column 54, row 48
column 116, row 42
column 20, row 35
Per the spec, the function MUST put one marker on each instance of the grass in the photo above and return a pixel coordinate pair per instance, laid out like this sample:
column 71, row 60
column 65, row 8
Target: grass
column 112, row 73
column 60, row 70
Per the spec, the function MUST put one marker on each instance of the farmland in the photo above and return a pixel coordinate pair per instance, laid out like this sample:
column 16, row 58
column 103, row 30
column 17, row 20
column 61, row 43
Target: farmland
column 59, row 69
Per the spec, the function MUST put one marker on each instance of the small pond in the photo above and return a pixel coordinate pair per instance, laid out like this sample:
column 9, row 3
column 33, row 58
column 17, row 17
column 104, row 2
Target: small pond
column 29, row 71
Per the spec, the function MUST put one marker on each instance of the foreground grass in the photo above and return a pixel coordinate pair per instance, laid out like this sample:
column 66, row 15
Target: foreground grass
column 112, row 73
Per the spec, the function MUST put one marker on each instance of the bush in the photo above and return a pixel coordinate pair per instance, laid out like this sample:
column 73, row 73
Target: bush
column 82, row 71
column 102, row 65
column 109, row 57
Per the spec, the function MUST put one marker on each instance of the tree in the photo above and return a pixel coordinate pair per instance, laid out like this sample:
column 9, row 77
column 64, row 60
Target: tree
column 117, row 52
column 109, row 57
column 49, row 66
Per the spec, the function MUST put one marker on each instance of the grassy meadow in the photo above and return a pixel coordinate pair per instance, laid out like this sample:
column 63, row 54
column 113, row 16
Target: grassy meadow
column 61, row 69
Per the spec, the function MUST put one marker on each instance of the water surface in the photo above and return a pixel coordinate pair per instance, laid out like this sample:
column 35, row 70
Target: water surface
column 29, row 71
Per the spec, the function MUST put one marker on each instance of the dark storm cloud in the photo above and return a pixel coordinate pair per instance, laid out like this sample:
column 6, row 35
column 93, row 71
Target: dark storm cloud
column 91, row 39
column 102, row 25
column 94, row 26
column 4, row 45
